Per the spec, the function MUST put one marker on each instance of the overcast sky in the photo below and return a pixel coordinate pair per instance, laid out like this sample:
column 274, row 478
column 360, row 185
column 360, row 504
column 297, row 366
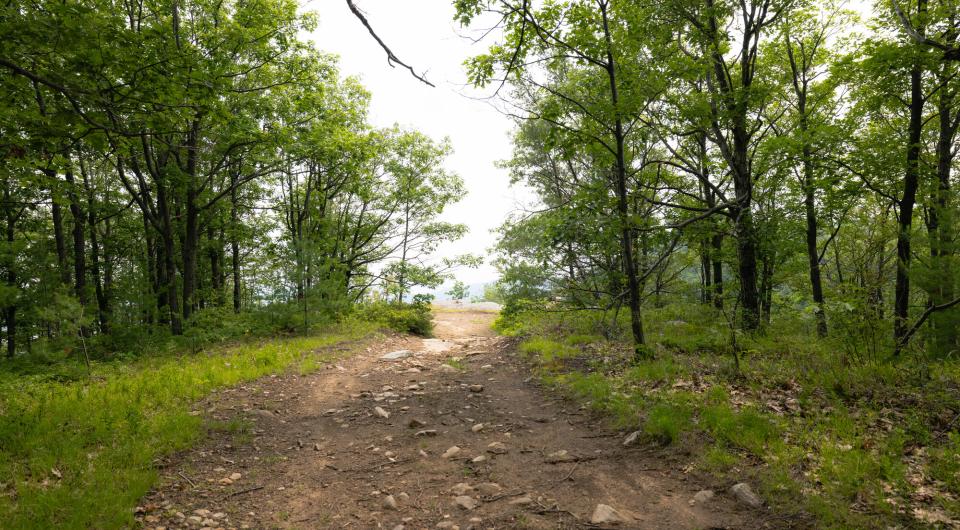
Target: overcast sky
column 423, row 34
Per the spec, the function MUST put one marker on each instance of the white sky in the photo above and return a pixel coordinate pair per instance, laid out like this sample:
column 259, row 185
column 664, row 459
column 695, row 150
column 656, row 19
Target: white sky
column 423, row 34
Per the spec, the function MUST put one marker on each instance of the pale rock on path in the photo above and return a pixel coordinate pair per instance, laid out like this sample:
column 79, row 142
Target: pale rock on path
column 398, row 436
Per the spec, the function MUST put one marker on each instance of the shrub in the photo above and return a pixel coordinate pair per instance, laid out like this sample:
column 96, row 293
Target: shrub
column 405, row 318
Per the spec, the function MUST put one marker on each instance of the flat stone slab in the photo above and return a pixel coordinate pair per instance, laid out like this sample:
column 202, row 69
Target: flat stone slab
column 437, row 345
column 395, row 355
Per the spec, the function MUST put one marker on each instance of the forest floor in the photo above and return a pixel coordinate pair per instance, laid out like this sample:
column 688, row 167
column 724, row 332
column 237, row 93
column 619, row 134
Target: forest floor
column 455, row 433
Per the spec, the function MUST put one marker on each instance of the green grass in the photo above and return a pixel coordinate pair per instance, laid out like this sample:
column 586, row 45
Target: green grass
column 457, row 363
column 663, row 370
column 822, row 433
column 666, row 421
column 81, row 454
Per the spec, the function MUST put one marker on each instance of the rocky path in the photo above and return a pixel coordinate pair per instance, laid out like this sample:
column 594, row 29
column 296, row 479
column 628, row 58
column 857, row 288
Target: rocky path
column 412, row 433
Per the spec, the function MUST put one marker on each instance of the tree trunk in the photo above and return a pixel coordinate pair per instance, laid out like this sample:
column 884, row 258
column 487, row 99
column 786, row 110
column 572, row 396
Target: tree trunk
column 191, row 224
column 102, row 305
column 747, row 265
column 766, row 288
column 10, row 312
column 801, row 87
column 620, row 175
column 813, row 255
column 214, row 255
column 169, row 263
column 152, row 260
column 107, row 264
column 737, row 154
column 942, row 224
column 744, row 227
column 79, row 242
column 706, row 273
column 717, row 242
column 234, row 243
column 901, row 304
column 59, row 240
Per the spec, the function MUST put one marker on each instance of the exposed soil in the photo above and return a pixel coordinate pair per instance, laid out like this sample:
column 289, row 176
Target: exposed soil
column 312, row 452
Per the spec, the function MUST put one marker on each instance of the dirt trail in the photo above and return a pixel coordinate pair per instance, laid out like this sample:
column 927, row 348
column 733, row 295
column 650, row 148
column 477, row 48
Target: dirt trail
column 319, row 455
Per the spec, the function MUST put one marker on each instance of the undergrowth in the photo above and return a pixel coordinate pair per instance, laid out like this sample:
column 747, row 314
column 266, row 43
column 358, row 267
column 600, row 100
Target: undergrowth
column 850, row 441
column 77, row 448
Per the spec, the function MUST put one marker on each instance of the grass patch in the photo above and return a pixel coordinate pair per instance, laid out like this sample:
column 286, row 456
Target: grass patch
column 842, row 440
column 80, row 454
column 666, row 421
column 457, row 363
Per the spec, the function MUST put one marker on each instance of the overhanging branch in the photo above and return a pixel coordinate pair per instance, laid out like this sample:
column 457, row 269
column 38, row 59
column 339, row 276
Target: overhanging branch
column 391, row 57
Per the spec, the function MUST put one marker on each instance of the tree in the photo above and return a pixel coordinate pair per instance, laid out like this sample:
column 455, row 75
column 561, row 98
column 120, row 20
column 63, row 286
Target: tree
column 459, row 291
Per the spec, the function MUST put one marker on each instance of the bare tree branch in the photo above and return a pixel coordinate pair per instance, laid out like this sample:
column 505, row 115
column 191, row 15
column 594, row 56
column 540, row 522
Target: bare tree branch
column 391, row 57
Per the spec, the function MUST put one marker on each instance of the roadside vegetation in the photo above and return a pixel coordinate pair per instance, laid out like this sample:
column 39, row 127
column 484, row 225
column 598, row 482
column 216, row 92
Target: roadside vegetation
column 825, row 435
column 744, row 235
column 191, row 196
column 79, row 445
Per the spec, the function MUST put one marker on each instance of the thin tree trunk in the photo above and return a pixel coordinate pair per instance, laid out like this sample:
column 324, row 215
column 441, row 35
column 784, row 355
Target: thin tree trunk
column 943, row 223
column 717, row 242
column 214, row 255
column 102, row 308
column 813, row 255
column 234, row 242
column 801, row 87
column 620, row 175
column 10, row 312
column 169, row 263
column 59, row 240
column 901, row 304
column 153, row 296
column 79, row 242
column 191, row 239
column 706, row 273
column 737, row 154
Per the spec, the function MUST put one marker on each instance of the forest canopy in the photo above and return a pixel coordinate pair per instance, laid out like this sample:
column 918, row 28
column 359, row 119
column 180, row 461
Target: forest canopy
column 781, row 160
column 169, row 164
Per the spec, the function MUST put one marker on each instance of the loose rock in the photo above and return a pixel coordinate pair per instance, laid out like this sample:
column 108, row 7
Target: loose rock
column 414, row 423
column 560, row 456
column 489, row 488
column 477, row 428
column 702, row 497
column 497, row 448
column 427, row 432
column 604, row 514
column 461, row 489
column 476, row 388
column 381, row 413
column 632, row 438
column 450, row 453
column 466, row 502
column 395, row 355
column 521, row 501
column 389, row 503
column 744, row 494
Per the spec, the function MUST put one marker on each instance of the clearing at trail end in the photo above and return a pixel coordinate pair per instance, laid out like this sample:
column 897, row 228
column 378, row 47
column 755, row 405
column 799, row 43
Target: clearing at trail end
column 448, row 432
